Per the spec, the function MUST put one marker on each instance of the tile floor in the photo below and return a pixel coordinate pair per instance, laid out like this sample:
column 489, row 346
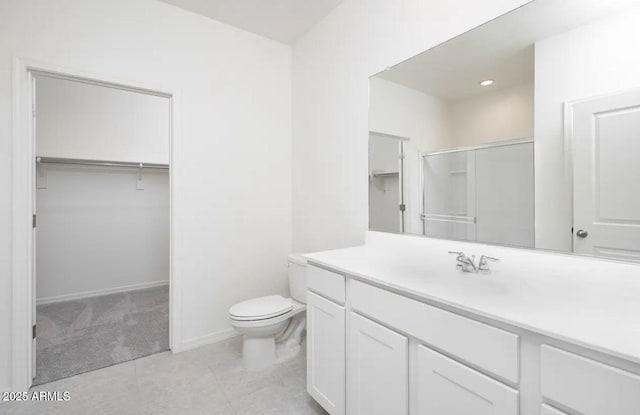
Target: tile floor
column 207, row 380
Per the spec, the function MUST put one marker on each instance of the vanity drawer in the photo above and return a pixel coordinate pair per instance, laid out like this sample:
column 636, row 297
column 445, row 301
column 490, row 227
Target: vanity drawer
column 326, row 283
column 548, row 410
column 587, row 386
column 486, row 347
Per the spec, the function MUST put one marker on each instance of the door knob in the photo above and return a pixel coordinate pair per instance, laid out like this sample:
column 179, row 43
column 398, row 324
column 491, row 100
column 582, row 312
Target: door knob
column 582, row 233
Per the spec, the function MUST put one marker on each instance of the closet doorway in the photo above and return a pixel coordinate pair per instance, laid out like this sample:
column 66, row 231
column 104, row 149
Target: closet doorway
column 101, row 233
column 386, row 182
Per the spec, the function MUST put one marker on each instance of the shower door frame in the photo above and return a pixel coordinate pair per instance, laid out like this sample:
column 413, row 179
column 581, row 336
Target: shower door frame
column 23, row 207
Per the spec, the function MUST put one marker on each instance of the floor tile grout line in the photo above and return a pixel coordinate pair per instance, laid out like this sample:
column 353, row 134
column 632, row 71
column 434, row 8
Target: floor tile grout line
column 226, row 397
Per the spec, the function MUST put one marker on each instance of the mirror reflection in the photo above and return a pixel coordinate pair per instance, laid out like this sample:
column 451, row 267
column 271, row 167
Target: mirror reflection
column 528, row 140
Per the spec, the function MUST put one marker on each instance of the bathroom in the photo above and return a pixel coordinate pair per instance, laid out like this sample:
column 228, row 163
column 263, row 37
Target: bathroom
column 272, row 110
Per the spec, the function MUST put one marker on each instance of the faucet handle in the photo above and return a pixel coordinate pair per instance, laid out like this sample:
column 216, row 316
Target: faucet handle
column 485, row 257
column 459, row 259
column 460, row 256
column 483, row 265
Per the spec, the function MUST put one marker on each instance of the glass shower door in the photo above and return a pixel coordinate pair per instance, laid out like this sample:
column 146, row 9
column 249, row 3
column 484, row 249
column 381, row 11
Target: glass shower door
column 505, row 195
column 483, row 194
column 449, row 195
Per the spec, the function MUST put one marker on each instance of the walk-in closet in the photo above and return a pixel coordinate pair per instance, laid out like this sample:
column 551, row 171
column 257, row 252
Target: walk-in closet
column 101, row 226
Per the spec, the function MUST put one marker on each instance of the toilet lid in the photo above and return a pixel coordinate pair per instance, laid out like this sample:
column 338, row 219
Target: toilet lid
column 261, row 308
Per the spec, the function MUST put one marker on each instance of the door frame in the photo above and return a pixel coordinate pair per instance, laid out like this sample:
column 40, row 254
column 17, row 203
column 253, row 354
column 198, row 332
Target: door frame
column 22, row 196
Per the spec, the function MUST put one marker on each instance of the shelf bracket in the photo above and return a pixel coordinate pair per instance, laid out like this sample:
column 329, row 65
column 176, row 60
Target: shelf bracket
column 139, row 182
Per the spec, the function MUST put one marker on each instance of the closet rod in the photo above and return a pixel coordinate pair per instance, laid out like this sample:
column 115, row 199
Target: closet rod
column 57, row 160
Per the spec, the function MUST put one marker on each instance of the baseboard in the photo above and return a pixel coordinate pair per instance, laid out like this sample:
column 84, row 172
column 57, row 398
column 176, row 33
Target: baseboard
column 211, row 338
column 88, row 294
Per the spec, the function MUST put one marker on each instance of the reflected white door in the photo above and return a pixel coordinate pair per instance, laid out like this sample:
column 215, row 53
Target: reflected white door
column 606, row 196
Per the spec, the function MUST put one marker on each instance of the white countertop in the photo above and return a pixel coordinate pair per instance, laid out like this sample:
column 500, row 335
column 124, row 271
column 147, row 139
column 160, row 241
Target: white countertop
column 589, row 302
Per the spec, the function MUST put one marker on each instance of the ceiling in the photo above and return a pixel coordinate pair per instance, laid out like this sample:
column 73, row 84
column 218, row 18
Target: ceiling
column 281, row 20
column 501, row 50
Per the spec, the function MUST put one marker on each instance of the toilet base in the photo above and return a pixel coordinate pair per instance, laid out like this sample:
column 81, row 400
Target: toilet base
column 258, row 352
column 261, row 352
column 286, row 354
column 288, row 346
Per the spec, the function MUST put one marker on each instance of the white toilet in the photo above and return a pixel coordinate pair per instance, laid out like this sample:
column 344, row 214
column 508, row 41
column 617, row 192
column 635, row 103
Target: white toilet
column 272, row 326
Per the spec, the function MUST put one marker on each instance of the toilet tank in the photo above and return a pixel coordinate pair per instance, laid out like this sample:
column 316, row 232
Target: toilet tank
column 298, row 278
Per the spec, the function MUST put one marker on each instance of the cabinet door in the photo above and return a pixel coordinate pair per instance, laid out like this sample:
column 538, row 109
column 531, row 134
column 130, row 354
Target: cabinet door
column 378, row 369
column 446, row 387
column 326, row 353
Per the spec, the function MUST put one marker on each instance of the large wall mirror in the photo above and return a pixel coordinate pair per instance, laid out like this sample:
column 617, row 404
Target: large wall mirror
column 524, row 131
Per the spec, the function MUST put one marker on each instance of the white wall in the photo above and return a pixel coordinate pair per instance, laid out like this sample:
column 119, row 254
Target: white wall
column 384, row 154
column 504, row 114
column 436, row 124
column 331, row 66
column 97, row 233
column 397, row 110
column 595, row 59
column 85, row 121
column 232, row 139
column 384, row 215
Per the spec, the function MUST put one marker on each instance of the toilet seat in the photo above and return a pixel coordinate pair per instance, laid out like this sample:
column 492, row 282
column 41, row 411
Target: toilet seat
column 263, row 323
column 261, row 308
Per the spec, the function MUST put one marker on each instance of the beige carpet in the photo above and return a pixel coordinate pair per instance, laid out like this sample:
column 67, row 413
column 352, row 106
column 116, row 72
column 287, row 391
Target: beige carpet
column 83, row 335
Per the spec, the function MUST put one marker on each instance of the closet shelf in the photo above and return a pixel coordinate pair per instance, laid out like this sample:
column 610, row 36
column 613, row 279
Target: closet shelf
column 385, row 174
column 109, row 163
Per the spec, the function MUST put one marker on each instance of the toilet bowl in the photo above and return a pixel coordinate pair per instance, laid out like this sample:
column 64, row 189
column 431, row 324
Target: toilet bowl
column 272, row 326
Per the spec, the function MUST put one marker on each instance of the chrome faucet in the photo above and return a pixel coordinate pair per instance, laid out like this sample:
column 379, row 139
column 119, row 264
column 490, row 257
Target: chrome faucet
column 467, row 264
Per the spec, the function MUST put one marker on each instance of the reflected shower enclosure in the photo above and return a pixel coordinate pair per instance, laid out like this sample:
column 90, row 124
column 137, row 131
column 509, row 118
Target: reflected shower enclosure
column 483, row 194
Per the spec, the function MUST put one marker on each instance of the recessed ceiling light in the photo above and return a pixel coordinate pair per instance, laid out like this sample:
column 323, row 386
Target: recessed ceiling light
column 486, row 82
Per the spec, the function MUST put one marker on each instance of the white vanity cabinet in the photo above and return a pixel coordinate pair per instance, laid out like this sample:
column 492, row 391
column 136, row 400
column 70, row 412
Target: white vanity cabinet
column 326, row 340
column 445, row 386
column 378, row 369
column 375, row 349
